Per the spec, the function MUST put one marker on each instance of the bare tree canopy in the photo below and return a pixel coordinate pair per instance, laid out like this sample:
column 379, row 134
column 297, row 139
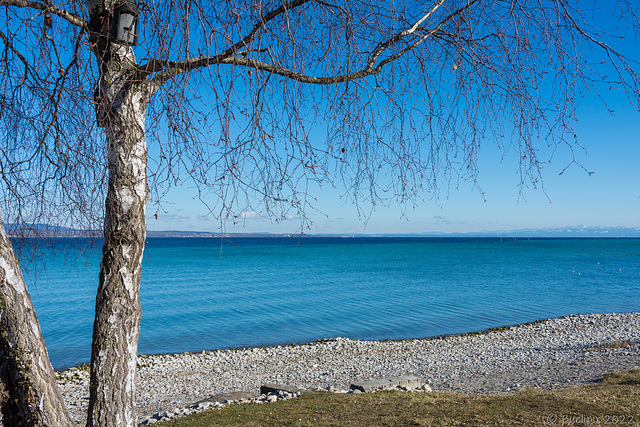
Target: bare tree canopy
column 421, row 82
column 254, row 101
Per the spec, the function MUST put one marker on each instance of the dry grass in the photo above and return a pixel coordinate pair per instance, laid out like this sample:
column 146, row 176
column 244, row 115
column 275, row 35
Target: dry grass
column 615, row 400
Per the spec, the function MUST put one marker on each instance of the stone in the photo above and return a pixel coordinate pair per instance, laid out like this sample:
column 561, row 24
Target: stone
column 275, row 388
column 407, row 381
column 369, row 386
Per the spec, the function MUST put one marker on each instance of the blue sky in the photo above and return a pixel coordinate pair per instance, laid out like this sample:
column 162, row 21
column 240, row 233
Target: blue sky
column 608, row 197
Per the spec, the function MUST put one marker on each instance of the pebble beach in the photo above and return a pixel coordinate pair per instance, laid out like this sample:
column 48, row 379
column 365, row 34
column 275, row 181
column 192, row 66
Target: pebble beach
column 548, row 354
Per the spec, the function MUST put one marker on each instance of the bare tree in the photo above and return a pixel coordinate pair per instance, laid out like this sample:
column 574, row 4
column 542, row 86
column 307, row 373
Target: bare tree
column 252, row 102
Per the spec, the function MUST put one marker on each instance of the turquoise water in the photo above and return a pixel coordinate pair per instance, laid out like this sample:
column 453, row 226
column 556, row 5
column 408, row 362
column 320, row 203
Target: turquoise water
column 197, row 295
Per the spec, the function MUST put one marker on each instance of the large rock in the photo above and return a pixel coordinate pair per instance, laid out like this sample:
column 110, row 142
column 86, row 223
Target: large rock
column 275, row 388
column 407, row 381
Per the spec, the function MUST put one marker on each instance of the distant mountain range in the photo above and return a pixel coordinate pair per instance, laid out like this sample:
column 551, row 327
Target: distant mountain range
column 31, row 230
column 567, row 231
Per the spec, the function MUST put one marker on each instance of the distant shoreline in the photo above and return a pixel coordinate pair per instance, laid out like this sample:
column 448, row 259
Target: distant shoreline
column 203, row 235
column 579, row 231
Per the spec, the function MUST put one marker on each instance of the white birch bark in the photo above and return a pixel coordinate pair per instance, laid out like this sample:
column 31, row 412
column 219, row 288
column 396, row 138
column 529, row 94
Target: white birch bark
column 29, row 394
column 117, row 320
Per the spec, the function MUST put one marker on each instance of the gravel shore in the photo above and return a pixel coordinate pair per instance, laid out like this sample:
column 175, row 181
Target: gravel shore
column 549, row 354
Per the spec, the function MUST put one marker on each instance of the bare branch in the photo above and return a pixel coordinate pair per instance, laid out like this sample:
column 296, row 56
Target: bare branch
column 175, row 68
column 411, row 30
column 260, row 25
column 609, row 50
column 16, row 52
column 172, row 69
column 393, row 40
column 70, row 17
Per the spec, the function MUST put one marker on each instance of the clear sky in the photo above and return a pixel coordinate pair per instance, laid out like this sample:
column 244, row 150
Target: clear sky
column 608, row 197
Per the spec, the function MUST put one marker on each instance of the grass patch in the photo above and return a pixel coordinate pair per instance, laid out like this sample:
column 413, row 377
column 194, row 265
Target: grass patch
column 618, row 395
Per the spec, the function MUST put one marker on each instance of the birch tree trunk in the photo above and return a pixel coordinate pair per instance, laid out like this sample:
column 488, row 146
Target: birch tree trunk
column 117, row 321
column 29, row 394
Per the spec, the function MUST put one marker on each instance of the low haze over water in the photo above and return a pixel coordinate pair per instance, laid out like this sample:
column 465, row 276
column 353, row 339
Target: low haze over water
column 201, row 293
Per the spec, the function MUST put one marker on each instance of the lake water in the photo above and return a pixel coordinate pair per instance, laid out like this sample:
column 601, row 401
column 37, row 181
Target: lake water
column 201, row 293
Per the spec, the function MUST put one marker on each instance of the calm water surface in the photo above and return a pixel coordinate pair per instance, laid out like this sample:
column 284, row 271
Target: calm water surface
column 264, row 291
